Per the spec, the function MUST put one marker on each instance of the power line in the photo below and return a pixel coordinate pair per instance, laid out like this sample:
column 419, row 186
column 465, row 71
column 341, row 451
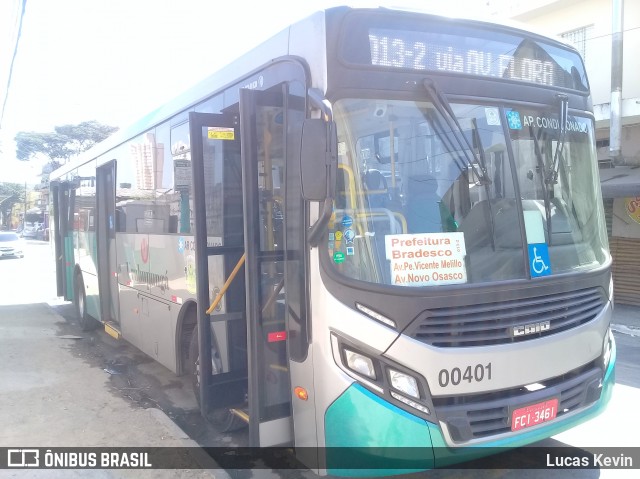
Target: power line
column 13, row 59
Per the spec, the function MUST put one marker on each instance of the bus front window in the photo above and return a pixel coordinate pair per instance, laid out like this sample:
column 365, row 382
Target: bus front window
column 559, row 186
column 424, row 201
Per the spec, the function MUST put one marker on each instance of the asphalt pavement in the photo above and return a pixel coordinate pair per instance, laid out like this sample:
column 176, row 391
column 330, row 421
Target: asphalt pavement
column 626, row 319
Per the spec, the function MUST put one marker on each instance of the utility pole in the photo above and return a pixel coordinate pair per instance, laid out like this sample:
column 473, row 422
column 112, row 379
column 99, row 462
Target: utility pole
column 615, row 116
column 24, row 214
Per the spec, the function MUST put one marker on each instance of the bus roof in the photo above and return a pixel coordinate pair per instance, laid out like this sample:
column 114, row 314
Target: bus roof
column 278, row 45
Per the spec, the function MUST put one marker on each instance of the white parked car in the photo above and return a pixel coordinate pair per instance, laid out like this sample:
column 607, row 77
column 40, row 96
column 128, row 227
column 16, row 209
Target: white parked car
column 11, row 245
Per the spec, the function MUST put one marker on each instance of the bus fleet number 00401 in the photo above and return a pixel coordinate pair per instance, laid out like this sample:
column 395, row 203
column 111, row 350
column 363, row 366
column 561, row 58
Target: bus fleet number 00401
column 456, row 376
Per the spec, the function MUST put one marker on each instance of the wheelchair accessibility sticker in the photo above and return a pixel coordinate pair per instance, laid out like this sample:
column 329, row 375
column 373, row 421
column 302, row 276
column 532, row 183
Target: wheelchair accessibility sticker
column 539, row 262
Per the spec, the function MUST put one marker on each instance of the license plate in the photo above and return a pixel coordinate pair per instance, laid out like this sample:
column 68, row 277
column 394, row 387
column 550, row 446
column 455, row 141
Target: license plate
column 534, row 414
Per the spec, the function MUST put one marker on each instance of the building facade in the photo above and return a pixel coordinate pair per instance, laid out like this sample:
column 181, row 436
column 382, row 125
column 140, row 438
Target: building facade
column 589, row 25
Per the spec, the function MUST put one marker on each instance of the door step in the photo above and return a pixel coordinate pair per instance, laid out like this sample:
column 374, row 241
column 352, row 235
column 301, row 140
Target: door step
column 112, row 329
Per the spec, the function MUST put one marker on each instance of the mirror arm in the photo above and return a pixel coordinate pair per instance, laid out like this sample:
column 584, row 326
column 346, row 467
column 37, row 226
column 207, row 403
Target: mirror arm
column 314, row 232
column 321, row 103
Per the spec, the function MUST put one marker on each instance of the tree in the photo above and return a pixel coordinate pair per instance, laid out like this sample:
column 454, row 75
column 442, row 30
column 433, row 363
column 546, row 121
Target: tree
column 10, row 194
column 85, row 135
column 9, row 189
column 64, row 143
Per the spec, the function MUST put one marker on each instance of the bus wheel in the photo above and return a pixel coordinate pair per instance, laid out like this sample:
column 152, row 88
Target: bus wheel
column 87, row 323
column 223, row 418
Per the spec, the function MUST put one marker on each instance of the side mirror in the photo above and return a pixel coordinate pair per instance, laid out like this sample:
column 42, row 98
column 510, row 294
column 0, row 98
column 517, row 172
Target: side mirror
column 318, row 159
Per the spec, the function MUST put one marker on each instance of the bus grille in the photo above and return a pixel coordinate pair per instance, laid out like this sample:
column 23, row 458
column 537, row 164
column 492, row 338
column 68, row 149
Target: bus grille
column 493, row 323
column 487, row 414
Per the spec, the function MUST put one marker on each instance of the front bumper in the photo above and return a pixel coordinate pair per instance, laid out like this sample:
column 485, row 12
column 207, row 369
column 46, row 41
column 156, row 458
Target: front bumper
column 11, row 253
column 368, row 436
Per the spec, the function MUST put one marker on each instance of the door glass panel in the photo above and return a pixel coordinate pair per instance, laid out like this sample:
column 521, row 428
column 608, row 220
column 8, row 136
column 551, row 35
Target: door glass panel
column 274, row 374
column 223, row 186
column 272, row 359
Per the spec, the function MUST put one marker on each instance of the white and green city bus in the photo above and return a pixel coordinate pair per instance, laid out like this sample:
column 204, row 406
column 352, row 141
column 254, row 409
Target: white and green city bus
column 378, row 229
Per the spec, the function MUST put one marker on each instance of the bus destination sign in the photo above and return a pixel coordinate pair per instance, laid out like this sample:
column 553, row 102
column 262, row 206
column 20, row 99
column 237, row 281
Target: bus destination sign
column 509, row 58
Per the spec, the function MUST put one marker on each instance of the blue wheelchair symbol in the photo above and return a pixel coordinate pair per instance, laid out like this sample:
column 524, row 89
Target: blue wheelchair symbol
column 539, row 262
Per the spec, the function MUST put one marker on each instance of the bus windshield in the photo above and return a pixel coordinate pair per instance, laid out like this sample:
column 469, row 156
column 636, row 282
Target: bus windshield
column 423, row 201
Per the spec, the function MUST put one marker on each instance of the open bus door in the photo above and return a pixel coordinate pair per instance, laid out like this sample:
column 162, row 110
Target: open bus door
column 62, row 225
column 261, row 378
column 106, row 242
column 263, row 129
column 58, row 230
column 217, row 206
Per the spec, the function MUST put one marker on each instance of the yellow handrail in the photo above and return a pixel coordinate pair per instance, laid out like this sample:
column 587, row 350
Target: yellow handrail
column 351, row 187
column 226, row 284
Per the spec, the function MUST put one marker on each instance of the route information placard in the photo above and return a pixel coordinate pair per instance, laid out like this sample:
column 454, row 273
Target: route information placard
column 427, row 259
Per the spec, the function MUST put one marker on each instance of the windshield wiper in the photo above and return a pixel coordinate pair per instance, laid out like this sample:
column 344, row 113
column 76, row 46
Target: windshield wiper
column 545, row 184
column 444, row 108
column 486, row 184
column 551, row 175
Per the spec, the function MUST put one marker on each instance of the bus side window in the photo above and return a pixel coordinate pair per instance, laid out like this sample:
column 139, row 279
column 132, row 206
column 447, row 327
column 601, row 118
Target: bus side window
column 166, row 199
column 177, row 156
column 121, row 220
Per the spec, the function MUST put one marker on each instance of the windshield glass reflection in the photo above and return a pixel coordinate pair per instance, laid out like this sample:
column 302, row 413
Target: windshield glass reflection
column 424, row 201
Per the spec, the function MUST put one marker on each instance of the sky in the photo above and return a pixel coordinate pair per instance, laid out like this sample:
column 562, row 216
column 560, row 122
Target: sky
column 115, row 60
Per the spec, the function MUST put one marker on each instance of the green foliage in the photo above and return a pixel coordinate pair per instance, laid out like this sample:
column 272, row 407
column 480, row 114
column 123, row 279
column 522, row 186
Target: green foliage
column 11, row 189
column 51, row 145
column 64, row 143
column 10, row 194
column 85, row 135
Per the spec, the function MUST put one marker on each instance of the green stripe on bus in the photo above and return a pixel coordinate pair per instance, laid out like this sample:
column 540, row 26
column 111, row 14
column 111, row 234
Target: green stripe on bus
column 359, row 420
column 359, row 423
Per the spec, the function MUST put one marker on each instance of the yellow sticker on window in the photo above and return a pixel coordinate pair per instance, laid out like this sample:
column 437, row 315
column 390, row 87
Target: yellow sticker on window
column 220, row 133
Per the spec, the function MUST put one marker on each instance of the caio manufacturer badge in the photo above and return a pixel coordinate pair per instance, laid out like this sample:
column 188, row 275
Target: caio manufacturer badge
column 531, row 328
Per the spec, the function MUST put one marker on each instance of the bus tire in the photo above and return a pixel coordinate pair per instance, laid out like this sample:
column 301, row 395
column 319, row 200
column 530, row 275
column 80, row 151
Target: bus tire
column 87, row 323
column 223, row 419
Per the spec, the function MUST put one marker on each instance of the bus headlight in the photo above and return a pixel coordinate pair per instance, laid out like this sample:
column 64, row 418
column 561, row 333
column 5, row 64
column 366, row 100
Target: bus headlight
column 404, row 383
column 360, row 364
column 381, row 376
